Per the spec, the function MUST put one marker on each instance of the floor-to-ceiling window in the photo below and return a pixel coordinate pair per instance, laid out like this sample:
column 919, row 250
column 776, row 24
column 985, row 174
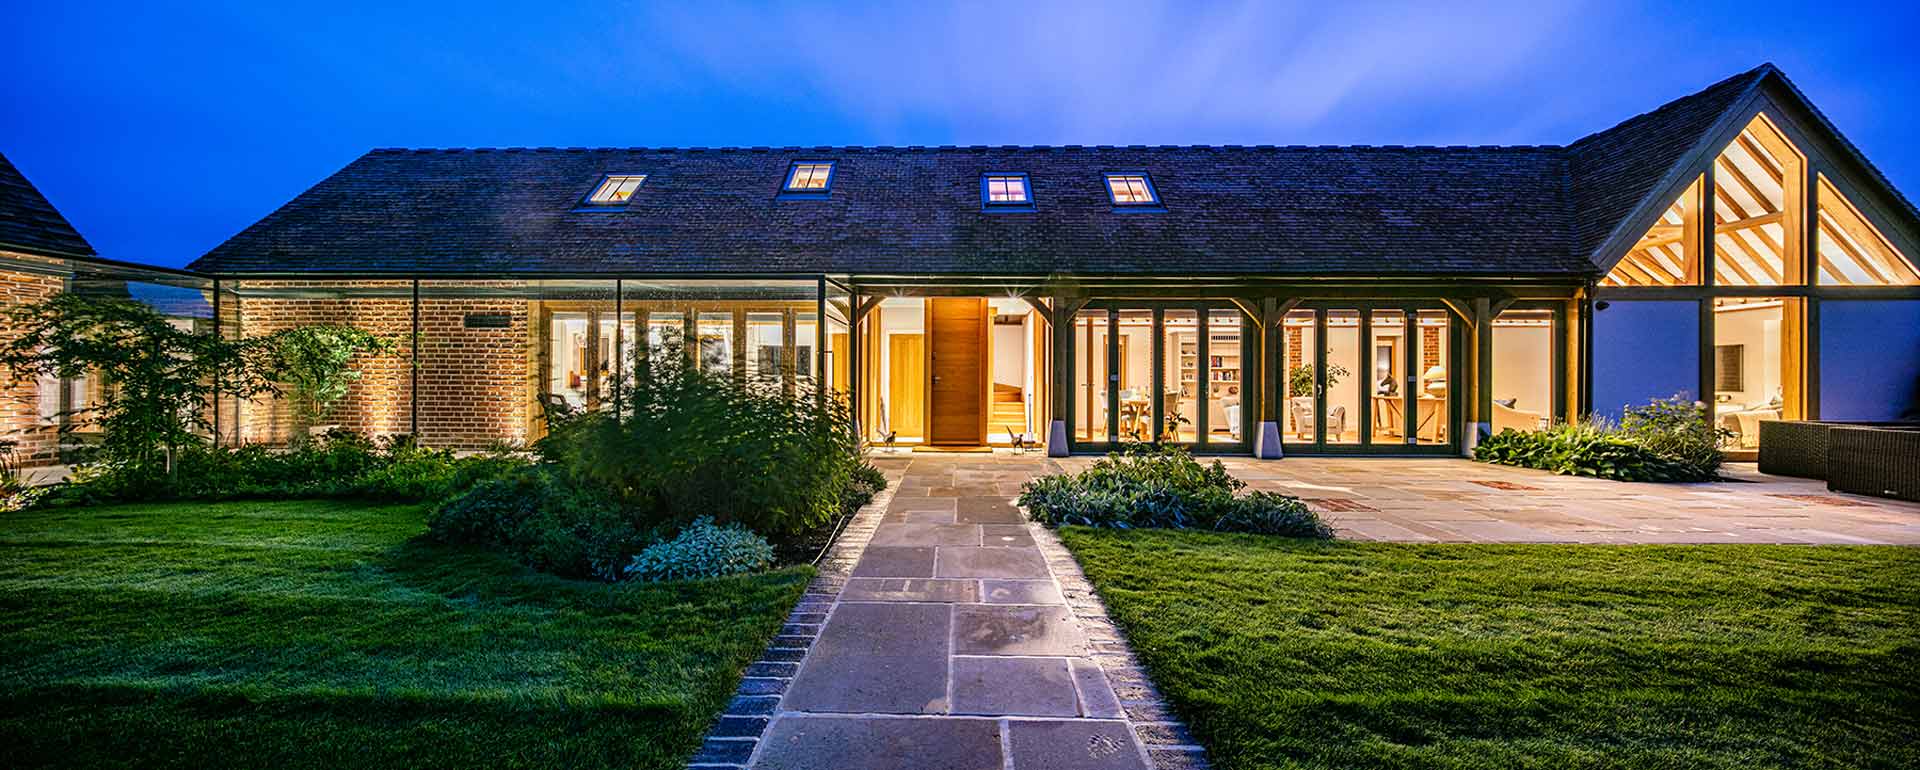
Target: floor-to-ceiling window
column 1159, row 371
column 1091, row 332
column 1524, row 370
column 1368, row 376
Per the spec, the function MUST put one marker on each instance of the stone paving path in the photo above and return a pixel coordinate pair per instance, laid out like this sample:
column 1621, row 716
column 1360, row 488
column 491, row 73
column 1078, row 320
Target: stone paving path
column 947, row 632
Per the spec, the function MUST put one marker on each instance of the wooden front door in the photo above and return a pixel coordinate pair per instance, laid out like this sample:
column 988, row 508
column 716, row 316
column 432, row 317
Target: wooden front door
column 907, row 385
column 957, row 347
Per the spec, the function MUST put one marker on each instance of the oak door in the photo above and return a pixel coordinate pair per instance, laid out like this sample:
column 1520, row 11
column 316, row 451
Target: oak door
column 957, row 372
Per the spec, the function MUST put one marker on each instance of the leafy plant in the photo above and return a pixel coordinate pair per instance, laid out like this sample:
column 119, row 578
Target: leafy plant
column 340, row 464
column 1300, row 377
column 702, row 550
column 1667, row 440
column 543, row 524
column 1681, row 430
column 692, row 443
column 316, row 363
column 1164, row 487
column 159, row 378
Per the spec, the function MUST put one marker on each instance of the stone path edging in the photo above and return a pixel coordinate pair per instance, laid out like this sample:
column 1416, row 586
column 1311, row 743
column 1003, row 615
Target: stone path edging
column 731, row 741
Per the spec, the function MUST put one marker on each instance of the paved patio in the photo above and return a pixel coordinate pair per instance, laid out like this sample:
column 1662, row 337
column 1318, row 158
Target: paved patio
column 1456, row 500
column 947, row 632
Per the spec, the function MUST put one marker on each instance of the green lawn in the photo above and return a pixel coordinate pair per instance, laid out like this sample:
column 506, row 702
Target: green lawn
column 1296, row 654
column 322, row 634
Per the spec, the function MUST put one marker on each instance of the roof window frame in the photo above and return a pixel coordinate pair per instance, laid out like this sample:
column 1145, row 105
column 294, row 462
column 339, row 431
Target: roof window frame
column 989, row 205
column 1154, row 203
column 789, row 192
column 587, row 203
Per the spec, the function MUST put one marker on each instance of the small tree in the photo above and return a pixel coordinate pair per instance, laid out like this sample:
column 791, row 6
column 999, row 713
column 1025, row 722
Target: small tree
column 159, row 379
column 316, row 363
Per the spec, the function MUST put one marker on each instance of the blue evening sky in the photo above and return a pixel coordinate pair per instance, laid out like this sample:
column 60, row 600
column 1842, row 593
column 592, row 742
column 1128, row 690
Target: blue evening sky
column 160, row 131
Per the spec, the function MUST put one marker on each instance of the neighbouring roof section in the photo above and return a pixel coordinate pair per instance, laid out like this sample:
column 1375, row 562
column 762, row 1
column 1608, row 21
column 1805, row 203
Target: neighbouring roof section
column 28, row 223
column 1612, row 172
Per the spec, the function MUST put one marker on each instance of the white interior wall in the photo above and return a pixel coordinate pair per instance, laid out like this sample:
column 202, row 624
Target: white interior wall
column 1758, row 329
column 1010, row 355
column 1523, row 367
column 899, row 315
column 1343, row 348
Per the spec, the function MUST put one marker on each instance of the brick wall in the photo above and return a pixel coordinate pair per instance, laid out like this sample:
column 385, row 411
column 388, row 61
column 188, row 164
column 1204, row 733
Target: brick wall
column 472, row 381
column 38, row 441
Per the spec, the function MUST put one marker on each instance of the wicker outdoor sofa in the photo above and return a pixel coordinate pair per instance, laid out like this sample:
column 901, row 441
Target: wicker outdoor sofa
column 1881, row 459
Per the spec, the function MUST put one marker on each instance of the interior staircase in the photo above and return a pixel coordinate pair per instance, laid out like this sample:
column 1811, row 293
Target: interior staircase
column 1009, row 411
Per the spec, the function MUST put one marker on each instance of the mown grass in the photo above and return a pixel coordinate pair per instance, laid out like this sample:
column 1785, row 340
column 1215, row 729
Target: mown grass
column 1295, row 654
column 325, row 634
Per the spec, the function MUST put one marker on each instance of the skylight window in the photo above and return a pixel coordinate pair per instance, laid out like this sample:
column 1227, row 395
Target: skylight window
column 810, row 177
column 615, row 190
column 1005, row 191
column 1131, row 190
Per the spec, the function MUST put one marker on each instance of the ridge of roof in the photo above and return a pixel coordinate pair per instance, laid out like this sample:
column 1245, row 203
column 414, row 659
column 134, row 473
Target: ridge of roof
column 1754, row 75
column 1874, row 173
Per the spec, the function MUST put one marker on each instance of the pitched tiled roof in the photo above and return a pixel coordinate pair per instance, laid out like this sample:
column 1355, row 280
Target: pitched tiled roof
column 1292, row 210
column 1612, row 172
column 1286, row 211
column 28, row 223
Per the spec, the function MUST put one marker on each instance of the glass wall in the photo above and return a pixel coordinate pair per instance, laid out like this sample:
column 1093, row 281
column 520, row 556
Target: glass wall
column 1184, row 372
column 1134, row 402
column 1756, row 374
column 1644, row 350
column 1869, row 352
column 1223, row 368
column 837, row 365
column 1523, row 370
column 1090, row 383
column 380, row 402
column 1388, row 377
column 1297, row 383
column 1345, row 373
column 1434, row 399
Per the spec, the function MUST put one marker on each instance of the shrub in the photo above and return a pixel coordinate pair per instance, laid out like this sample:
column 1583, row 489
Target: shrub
column 1164, row 487
column 1668, row 440
column 691, row 443
column 702, row 550
column 542, row 524
column 1680, row 430
column 341, row 464
column 489, row 512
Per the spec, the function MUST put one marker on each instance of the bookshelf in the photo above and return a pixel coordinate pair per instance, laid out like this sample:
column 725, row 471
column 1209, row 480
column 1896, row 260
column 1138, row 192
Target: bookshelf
column 1223, row 375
